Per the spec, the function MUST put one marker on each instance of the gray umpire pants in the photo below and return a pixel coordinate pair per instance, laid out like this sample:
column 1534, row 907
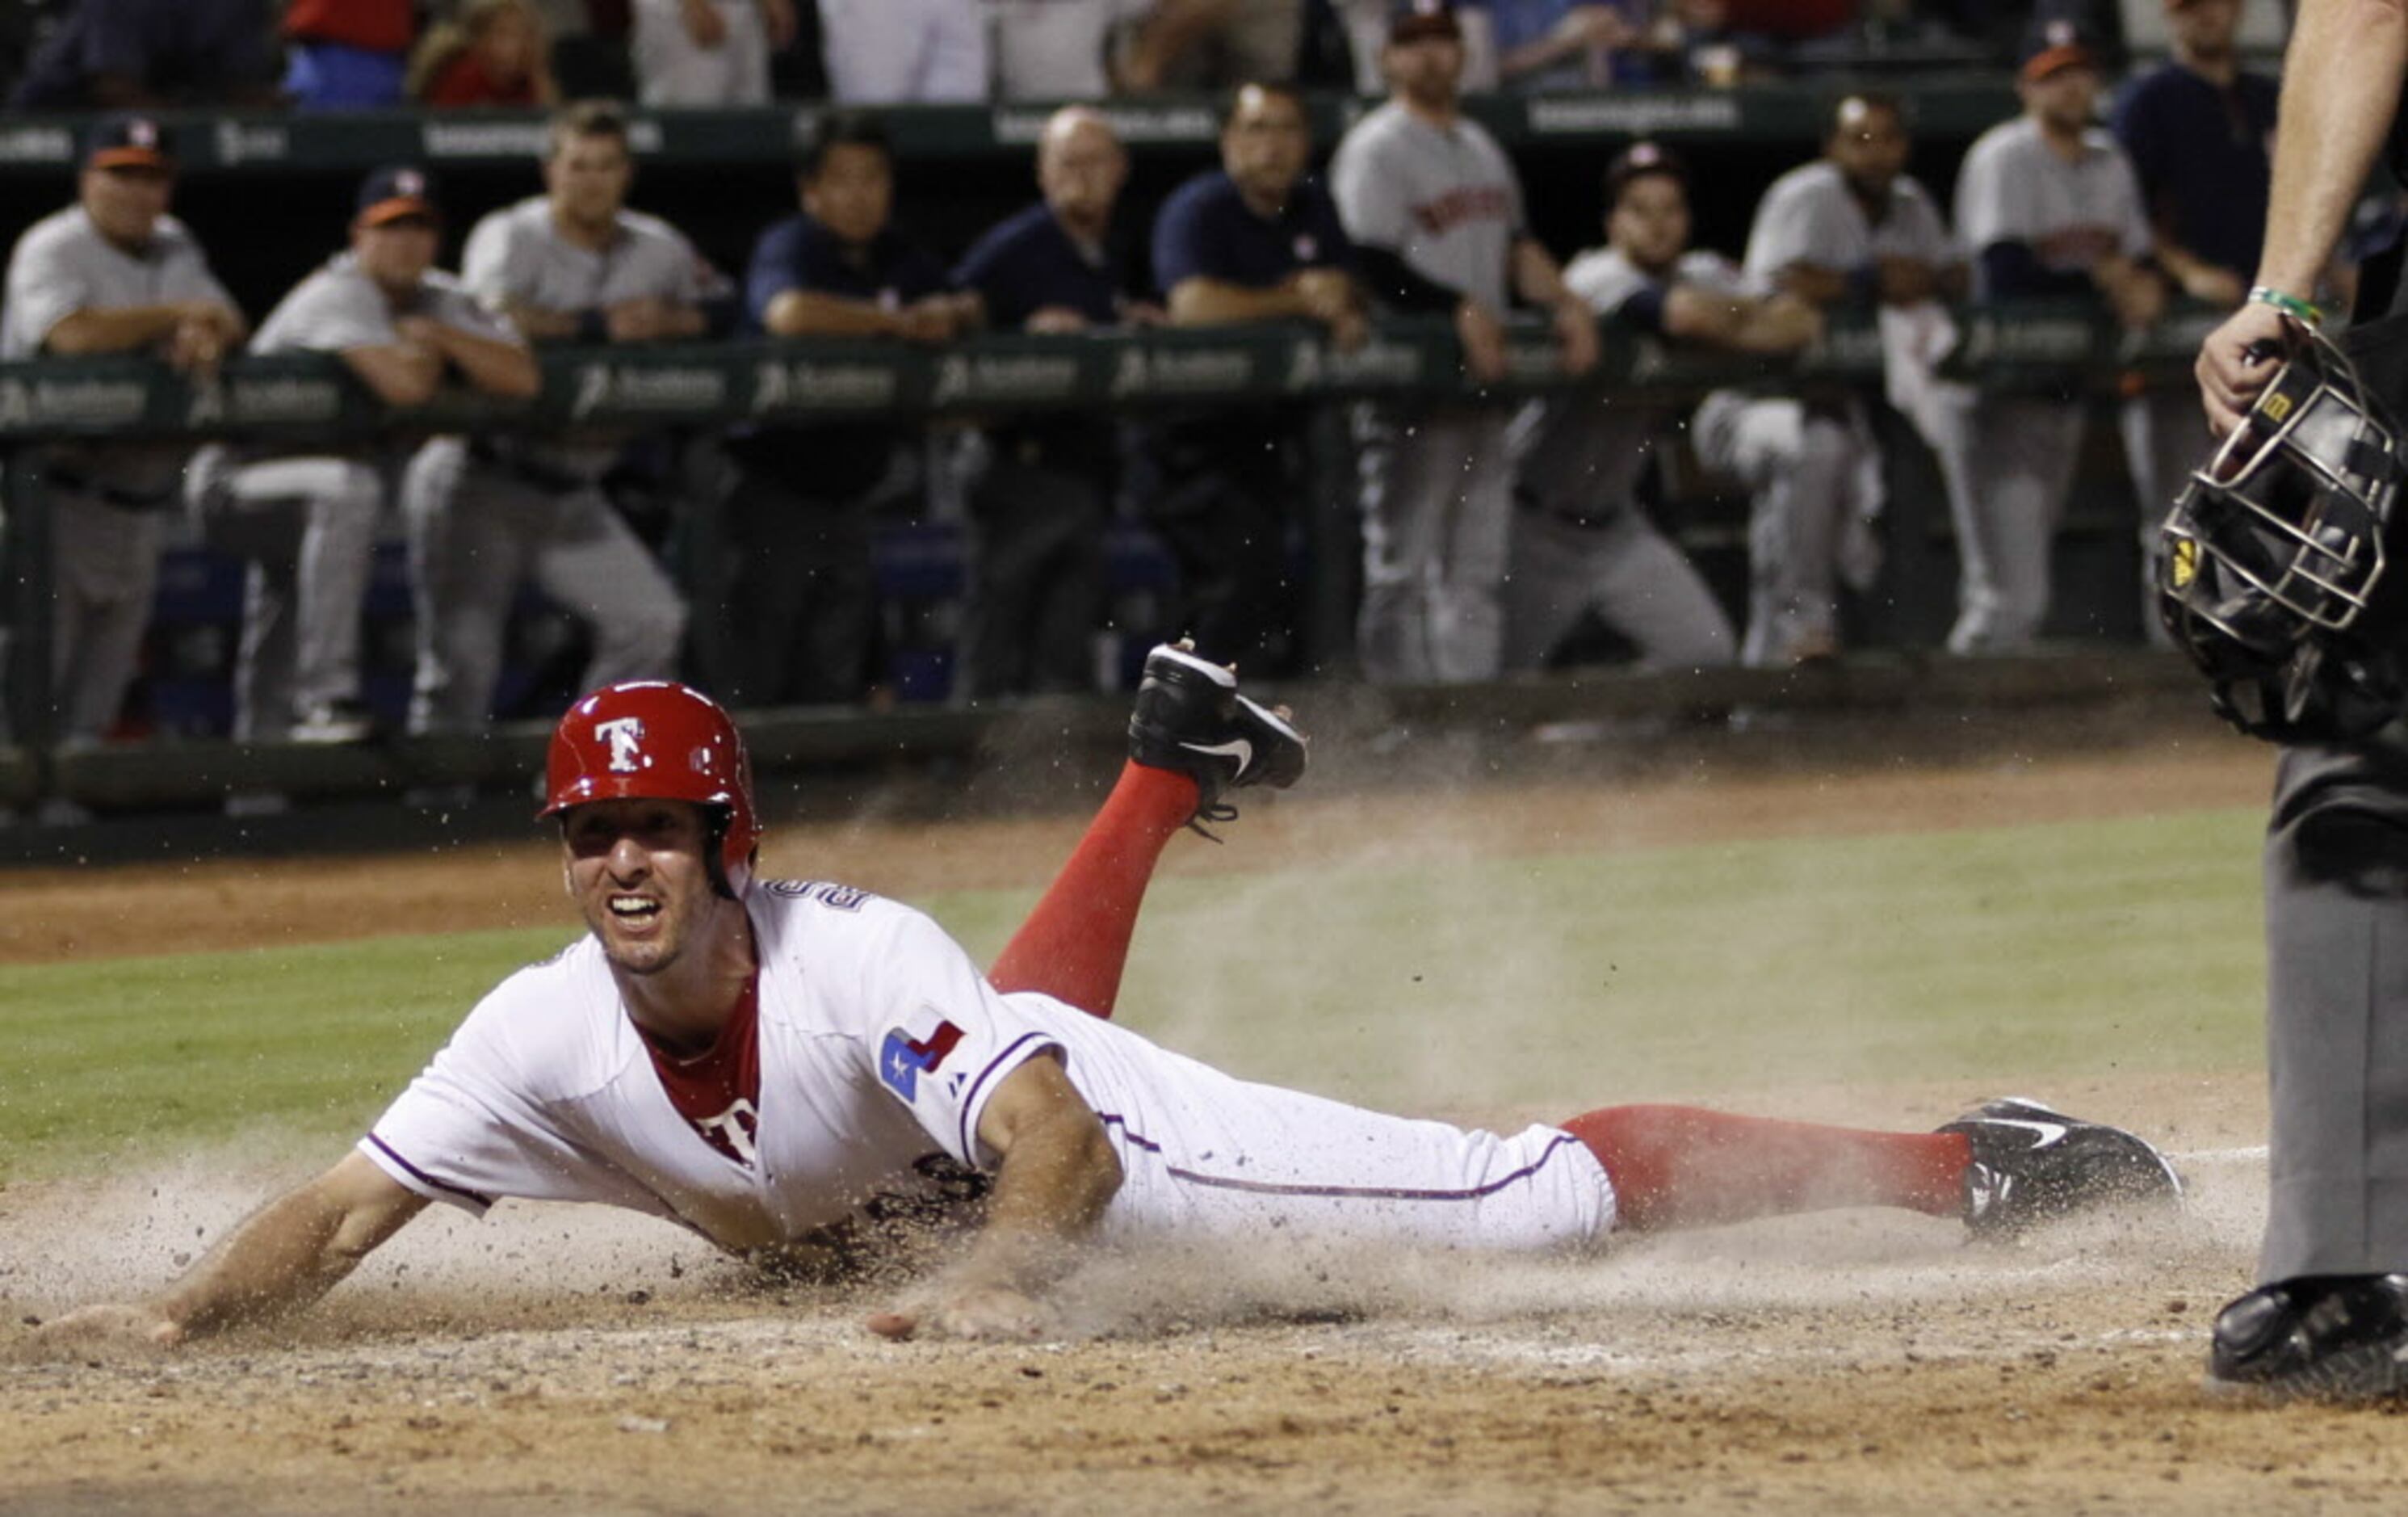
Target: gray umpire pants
column 2337, row 1009
column 1437, row 525
column 1625, row 574
column 104, row 570
column 475, row 531
column 308, row 529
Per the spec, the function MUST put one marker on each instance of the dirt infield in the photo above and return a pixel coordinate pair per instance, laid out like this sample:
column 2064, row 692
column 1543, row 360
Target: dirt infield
column 563, row 1360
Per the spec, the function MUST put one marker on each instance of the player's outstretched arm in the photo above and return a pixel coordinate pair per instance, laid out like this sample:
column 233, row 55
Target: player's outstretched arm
column 284, row 1256
column 1057, row 1173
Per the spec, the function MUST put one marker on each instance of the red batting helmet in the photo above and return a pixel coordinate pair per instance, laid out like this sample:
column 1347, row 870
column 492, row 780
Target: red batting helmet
column 656, row 740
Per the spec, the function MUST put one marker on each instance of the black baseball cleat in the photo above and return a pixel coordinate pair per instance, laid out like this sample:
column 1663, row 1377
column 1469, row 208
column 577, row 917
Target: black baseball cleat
column 2331, row 1338
column 2032, row 1164
column 1190, row 717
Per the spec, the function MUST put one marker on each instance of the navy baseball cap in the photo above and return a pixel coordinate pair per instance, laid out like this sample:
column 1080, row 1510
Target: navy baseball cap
column 2054, row 45
column 1411, row 21
column 1638, row 161
column 396, row 193
column 125, row 141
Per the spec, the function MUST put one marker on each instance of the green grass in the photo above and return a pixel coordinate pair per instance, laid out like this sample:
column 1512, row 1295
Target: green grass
column 2003, row 955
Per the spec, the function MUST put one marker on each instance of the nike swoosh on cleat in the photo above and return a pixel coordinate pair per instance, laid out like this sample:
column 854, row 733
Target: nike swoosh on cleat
column 1237, row 748
column 2049, row 1132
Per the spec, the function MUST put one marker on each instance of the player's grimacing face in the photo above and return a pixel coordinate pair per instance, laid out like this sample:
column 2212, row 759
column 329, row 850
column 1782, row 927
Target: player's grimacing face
column 1650, row 222
column 638, row 872
column 1266, row 143
column 852, row 192
column 589, row 176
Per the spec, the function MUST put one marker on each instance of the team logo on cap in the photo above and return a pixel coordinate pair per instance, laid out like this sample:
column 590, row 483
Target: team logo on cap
column 410, row 181
column 2060, row 33
column 142, row 134
column 625, row 736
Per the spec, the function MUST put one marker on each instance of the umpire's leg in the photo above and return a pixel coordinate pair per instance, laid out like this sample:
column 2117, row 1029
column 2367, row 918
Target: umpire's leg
column 2337, row 1010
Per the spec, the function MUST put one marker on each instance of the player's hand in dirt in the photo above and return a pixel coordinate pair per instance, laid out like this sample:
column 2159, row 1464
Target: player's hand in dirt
column 109, row 1331
column 994, row 1313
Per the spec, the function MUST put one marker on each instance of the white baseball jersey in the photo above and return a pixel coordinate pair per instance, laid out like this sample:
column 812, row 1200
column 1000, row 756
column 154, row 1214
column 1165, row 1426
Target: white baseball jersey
column 881, row 53
column 880, row 1045
column 1445, row 199
column 62, row 264
column 673, row 69
column 517, row 253
column 338, row 308
column 2013, row 188
column 1809, row 216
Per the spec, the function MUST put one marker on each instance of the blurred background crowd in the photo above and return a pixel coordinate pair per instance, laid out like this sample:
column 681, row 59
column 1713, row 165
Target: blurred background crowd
column 436, row 584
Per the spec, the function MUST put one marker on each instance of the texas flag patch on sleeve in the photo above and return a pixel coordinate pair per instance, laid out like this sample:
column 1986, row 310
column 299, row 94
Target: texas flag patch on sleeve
column 903, row 1060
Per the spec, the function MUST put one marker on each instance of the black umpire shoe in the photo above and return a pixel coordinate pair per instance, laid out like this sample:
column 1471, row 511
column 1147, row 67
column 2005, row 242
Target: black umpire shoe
column 2330, row 1338
column 2032, row 1164
column 1190, row 717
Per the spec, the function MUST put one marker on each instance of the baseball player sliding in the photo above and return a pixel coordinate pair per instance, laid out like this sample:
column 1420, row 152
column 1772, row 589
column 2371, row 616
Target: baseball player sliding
column 758, row 1060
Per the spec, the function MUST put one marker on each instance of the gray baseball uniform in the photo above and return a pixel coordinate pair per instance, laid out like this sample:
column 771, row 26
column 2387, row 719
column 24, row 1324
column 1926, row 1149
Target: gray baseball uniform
column 484, row 512
column 1436, row 483
column 1812, row 473
column 2011, row 464
column 307, row 518
column 108, row 502
column 672, row 70
column 1582, row 544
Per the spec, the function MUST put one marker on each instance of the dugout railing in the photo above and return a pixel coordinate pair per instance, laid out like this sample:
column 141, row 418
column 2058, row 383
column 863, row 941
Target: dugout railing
column 765, row 383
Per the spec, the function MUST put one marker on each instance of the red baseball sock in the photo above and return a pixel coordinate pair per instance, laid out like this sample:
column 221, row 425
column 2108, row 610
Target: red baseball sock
column 1682, row 1166
column 1075, row 943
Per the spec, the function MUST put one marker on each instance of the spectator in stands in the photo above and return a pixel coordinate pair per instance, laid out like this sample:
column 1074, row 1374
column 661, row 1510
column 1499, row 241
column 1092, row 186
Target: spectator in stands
column 1039, row 506
column 1213, row 45
column 1083, row 49
column 1257, row 240
column 112, row 273
column 1693, row 44
column 2198, row 129
column 496, row 53
column 348, row 54
column 153, row 55
column 2051, row 210
column 1434, row 211
column 305, row 516
column 1583, row 547
column 884, row 53
column 1848, row 231
column 1549, row 44
column 708, row 52
column 799, row 605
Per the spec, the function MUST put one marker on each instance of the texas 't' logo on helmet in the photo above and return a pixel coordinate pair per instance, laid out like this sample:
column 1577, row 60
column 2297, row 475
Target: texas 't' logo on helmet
column 625, row 735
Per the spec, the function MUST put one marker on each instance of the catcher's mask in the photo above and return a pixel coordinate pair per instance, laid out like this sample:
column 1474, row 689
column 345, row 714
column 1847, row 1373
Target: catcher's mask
column 2273, row 576
column 656, row 740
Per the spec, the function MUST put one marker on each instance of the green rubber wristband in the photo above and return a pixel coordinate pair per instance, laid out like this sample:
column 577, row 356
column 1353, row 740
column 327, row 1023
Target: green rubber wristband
column 2290, row 305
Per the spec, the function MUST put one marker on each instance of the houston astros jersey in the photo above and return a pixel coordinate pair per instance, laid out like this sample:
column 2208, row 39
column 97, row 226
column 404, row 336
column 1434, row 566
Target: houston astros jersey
column 880, row 1045
column 339, row 307
column 1444, row 199
column 517, row 253
column 2013, row 188
column 1810, row 216
column 62, row 264
column 1579, row 456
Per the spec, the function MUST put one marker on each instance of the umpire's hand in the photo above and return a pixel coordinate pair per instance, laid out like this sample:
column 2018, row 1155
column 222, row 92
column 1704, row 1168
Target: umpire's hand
column 2236, row 361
